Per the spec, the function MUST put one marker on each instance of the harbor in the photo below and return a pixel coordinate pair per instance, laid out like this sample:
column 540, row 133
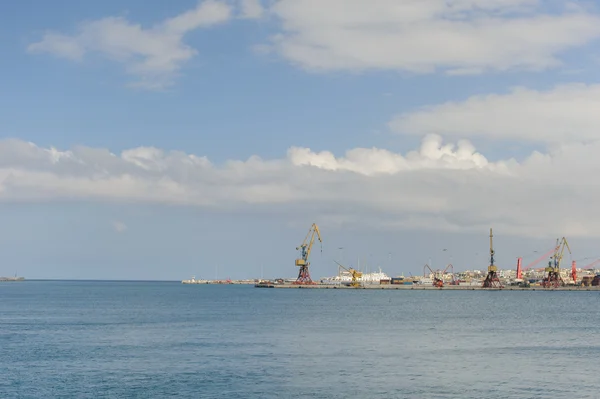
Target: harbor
column 529, row 277
column 550, row 277
column 424, row 287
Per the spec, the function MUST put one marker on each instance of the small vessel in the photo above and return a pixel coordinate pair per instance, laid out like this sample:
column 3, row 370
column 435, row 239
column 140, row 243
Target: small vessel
column 194, row 281
column 15, row 278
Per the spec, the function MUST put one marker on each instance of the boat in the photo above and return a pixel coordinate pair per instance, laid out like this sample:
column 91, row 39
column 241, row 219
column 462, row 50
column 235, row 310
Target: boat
column 15, row 278
column 366, row 278
column 194, row 281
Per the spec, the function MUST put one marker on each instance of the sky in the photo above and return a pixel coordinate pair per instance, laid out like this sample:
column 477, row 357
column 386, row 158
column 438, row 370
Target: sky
column 159, row 140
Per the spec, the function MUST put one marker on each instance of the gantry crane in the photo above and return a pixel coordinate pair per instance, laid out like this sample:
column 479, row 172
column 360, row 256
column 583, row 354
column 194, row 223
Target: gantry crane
column 492, row 280
column 354, row 273
column 306, row 247
column 552, row 276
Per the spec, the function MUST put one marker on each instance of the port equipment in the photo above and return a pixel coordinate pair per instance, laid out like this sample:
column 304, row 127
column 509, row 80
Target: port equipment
column 492, row 280
column 552, row 277
column 438, row 275
column 306, row 248
column 594, row 263
column 538, row 260
column 354, row 273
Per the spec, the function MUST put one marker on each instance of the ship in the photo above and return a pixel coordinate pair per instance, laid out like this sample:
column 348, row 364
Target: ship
column 367, row 278
column 194, row 281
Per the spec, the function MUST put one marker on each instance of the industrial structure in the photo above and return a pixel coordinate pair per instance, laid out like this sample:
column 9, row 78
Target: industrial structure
column 306, row 248
column 552, row 277
column 528, row 277
column 438, row 275
column 492, row 280
column 356, row 275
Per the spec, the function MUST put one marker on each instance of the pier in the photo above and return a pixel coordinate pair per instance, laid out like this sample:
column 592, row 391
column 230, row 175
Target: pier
column 423, row 287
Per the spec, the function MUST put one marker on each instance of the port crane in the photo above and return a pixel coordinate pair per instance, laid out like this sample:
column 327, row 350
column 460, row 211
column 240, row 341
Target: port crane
column 306, row 248
column 438, row 275
column 354, row 273
column 492, row 280
column 552, row 276
column 521, row 270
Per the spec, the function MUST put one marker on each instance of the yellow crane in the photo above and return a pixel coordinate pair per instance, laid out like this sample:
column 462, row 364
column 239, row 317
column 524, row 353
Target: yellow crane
column 306, row 248
column 552, row 276
column 354, row 273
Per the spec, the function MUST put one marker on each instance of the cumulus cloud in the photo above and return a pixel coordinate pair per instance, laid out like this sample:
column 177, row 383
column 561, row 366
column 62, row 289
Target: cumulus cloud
column 152, row 54
column 437, row 186
column 565, row 113
column 458, row 36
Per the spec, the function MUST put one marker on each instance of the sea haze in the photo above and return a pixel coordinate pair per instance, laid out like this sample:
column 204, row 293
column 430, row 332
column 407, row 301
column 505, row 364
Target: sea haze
column 161, row 339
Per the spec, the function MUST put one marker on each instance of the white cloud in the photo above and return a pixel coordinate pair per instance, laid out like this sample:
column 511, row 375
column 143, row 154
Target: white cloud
column 437, row 186
column 251, row 8
column 152, row 54
column 119, row 226
column 563, row 114
column 460, row 36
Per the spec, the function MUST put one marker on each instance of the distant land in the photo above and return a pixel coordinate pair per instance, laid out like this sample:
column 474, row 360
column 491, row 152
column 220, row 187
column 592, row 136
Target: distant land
column 12, row 278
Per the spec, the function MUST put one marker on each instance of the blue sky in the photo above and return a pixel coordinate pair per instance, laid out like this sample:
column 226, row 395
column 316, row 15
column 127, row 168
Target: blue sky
column 513, row 85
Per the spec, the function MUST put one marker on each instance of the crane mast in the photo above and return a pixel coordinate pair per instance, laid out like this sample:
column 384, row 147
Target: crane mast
column 306, row 248
column 492, row 280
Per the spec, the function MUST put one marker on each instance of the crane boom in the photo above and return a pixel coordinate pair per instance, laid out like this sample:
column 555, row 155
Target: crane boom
column 354, row 273
column 306, row 248
column 307, row 245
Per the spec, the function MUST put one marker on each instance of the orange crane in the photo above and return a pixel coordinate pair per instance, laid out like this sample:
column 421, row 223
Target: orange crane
column 306, row 247
column 492, row 280
column 438, row 275
column 552, row 276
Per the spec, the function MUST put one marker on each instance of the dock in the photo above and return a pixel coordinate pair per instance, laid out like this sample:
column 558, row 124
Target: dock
column 423, row 287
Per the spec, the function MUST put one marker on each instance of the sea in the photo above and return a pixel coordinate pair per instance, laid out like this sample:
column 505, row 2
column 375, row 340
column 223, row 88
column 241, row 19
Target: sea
column 107, row 339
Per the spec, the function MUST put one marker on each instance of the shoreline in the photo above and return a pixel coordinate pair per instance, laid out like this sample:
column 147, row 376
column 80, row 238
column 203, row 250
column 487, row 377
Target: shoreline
column 427, row 288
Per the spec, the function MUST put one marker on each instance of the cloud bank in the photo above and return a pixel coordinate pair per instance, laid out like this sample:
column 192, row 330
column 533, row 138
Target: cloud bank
column 566, row 113
column 423, row 36
column 437, row 186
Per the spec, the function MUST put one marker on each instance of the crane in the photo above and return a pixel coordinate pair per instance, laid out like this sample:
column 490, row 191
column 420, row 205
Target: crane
column 552, row 276
column 492, row 280
column 521, row 270
column 306, row 248
column 438, row 275
column 354, row 273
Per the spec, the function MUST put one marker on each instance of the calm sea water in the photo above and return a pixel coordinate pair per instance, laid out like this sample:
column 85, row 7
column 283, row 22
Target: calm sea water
column 157, row 340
